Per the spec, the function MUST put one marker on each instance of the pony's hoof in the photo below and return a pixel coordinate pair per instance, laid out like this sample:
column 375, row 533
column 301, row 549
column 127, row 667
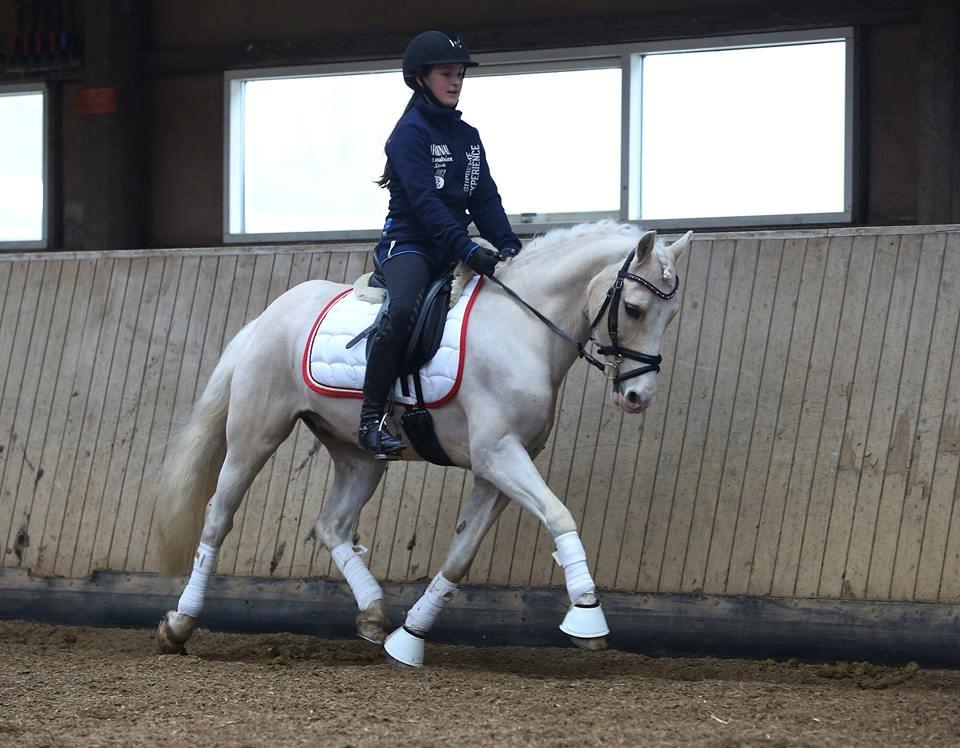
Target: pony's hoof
column 596, row 644
column 404, row 648
column 372, row 632
column 167, row 641
column 373, row 624
column 585, row 622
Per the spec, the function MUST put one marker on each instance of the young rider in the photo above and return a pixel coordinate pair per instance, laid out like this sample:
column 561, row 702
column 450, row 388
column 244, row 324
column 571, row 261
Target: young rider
column 439, row 181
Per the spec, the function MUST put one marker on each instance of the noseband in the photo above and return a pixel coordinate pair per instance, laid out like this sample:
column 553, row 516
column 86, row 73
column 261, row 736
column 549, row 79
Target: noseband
column 610, row 305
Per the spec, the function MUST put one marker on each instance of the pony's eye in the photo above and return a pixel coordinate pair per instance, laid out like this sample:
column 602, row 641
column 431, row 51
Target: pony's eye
column 634, row 311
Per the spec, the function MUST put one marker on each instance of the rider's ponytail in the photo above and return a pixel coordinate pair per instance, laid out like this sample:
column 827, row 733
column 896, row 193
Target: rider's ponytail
column 384, row 180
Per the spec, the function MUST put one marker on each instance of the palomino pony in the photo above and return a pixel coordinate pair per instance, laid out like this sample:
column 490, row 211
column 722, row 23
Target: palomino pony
column 603, row 282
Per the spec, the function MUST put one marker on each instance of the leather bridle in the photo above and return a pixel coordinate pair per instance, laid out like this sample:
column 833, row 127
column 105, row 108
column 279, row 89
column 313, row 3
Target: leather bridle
column 610, row 306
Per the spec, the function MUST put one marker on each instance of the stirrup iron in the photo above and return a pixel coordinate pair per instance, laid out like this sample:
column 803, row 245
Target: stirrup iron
column 383, row 445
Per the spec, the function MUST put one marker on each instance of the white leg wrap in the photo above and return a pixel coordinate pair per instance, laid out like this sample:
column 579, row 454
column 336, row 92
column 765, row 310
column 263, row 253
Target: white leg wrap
column 349, row 559
column 191, row 601
column 428, row 607
column 572, row 558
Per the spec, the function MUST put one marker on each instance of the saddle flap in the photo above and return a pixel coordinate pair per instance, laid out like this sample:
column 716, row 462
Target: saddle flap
column 428, row 330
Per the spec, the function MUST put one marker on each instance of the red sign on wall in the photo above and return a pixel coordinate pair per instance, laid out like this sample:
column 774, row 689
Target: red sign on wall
column 97, row 100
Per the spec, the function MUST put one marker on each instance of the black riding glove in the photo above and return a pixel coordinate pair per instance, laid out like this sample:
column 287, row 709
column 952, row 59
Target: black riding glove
column 482, row 260
column 507, row 252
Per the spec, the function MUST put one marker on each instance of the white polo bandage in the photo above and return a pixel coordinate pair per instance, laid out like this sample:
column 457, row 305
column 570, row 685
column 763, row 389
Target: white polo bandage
column 349, row 559
column 191, row 601
column 425, row 611
column 572, row 558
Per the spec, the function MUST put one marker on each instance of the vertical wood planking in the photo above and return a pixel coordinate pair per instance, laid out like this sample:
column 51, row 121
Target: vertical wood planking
column 18, row 326
column 838, row 394
column 142, row 475
column 25, row 439
column 164, row 421
column 93, row 546
column 791, row 400
column 853, row 453
column 811, row 417
column 89, row 385
column 69, row 417
column 768, row 256
column 51, row 405
column 942, row 506
column 882, row 420
column 137, row 401
column 902, row 501
column 74, row 559
column 731, row 337
column 680, row 530
column 763, row 433
column 681, row 389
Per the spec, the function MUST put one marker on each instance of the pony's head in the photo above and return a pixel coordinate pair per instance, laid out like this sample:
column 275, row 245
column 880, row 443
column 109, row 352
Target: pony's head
column 644, row 298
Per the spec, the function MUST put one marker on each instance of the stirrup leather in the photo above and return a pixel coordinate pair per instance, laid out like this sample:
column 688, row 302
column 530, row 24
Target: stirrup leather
column 374, row 437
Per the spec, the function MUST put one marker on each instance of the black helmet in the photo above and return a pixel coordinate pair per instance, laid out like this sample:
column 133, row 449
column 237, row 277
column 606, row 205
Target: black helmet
column 433, row 48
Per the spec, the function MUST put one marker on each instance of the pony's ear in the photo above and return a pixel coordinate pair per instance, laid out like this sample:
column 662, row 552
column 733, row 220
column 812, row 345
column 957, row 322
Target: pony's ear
column 645, row 245
column 680, row 246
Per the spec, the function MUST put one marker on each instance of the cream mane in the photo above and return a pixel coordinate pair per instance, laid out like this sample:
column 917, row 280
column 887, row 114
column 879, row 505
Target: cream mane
column 558, row 240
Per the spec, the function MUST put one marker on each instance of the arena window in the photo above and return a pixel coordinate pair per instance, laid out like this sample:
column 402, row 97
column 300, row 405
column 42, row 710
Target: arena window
column 744, row 132
column 23, row 167
column 739, row 131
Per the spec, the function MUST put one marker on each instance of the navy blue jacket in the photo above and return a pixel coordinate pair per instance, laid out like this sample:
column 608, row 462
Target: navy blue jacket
column 438, row 174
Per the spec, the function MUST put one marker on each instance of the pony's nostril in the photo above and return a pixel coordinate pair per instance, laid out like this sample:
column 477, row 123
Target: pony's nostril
column 632, row 397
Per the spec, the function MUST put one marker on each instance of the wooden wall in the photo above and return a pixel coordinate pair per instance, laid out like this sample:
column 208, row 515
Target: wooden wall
column 805, row 441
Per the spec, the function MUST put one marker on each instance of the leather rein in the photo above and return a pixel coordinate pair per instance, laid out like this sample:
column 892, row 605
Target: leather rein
column 610, row 306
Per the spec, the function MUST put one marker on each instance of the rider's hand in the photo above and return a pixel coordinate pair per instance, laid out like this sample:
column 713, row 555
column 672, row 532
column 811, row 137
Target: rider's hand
column 507, row 252
column 482, row 260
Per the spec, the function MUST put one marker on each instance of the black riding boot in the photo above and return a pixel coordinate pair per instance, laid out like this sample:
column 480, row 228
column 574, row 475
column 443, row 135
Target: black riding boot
column 381, row 374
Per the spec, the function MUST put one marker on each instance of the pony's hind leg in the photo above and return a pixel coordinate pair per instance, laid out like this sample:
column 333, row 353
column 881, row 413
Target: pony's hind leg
column 356, row 475
column 247, row 451
column 479, row 512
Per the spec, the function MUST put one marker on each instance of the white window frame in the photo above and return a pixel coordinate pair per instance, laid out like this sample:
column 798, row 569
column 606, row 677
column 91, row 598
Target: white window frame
column 628, row 57
column 632, row 191
column 41, row 243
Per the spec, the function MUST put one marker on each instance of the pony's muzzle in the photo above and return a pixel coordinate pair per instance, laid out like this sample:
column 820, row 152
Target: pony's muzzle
column 634, row 400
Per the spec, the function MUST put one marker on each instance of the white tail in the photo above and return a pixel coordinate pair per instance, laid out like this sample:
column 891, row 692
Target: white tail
column 192, row 465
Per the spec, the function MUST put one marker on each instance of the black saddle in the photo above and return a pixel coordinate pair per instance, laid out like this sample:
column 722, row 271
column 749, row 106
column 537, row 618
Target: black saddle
column 428, row 329
column 423, row 345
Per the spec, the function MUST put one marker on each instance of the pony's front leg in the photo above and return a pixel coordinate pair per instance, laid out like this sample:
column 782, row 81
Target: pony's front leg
column 356, row 475
column 479, row 512
column 506, row 464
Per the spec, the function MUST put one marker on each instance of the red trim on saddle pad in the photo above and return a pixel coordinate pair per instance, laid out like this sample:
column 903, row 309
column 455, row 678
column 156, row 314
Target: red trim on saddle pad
column 357, row 394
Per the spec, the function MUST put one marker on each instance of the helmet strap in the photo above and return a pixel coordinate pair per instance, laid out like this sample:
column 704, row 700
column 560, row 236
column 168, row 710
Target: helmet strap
column 424, row 89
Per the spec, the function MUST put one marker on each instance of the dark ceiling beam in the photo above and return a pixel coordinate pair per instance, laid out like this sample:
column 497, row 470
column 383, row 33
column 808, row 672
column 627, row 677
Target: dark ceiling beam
column 608, row 29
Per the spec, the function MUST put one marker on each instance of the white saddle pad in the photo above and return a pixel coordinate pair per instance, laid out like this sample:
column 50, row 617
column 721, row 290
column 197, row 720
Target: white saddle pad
column 330, row 368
